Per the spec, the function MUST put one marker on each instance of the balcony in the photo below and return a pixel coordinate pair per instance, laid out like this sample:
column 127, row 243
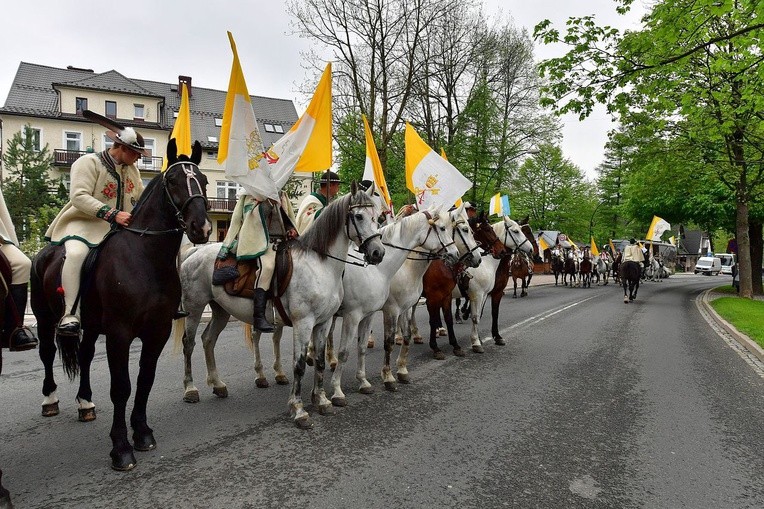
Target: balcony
column 63, row 157
column 222, row 204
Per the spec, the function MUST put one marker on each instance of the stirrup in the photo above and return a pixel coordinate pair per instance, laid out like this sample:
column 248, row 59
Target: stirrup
column 69, row 329
column 180, row 313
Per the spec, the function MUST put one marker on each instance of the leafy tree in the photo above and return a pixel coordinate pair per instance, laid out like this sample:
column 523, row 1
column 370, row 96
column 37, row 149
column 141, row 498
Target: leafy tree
column 27, row 188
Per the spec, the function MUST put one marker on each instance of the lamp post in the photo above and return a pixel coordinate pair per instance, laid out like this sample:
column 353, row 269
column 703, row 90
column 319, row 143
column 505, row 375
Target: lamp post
column 591, row 220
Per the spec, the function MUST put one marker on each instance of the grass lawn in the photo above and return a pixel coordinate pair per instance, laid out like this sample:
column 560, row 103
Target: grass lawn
column 746, row 315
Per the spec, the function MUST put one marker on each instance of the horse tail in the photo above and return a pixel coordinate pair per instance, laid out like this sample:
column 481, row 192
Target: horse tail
column 178, row 333
column 68, row 350
column 248, row 339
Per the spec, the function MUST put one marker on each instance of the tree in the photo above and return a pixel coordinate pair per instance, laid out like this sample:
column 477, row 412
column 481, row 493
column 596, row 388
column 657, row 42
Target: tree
column 697, row 62
column 27, row 188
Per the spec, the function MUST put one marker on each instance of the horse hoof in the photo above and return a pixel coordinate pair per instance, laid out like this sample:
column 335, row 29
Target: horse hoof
column 418, row 340
column 514, row 296
column 439, row 355
column 403, row 378
column 499, row 341
column 398, row 340
column 282, row 380
column 50, row 410
column 458, row 319
column 144, row 442
column 122, row 462
column 87, row 414
column 220, row 392
column 391, row 386
column 326, row 410
column 191, row 396
column 309, row 361
column 370, row 343
column 333, row 366
column 459, row 352
column 442, row 331
column 340, row 402
column 478, row 349
column 262, row 383
column 304, row 422
column 366, row 390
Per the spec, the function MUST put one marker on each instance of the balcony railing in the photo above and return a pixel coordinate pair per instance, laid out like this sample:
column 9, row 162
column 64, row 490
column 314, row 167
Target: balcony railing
column 63, row 157
column 222, row 204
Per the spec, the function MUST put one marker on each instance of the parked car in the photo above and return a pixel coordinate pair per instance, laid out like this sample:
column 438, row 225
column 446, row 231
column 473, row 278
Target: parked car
column 728, row 260
column 708, row 265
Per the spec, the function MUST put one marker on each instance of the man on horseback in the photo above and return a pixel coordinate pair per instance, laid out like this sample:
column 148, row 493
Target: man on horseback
column 104, row 189
column 15, row 336
column 633, row 253
column 314, row 203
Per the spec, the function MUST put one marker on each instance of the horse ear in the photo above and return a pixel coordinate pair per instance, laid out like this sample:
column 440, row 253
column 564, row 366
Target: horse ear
column 172, row 151
column 460, row 209
column 196, row 153
column 353, row 187
column 525, row 220
column 371, row 189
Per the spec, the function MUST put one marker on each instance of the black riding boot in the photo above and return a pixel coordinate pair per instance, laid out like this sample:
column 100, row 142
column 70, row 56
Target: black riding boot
column 18, row 337
column 260, row 323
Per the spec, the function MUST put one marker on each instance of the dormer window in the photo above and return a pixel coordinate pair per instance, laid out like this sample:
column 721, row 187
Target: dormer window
column 269, row 128
column 81, row 104
column 278, row 128
column 111, row 109
column 139, row 112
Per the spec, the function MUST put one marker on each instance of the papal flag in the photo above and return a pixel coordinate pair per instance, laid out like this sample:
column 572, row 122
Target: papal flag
column 458, row 202
column 657, row 227
column 499, row 205
column 593, row 248
column 307, row 147
column 572, row 243
column 432, row 179
column 181, row 131
column 612, row 247
column 373, row 168
column 543, row 246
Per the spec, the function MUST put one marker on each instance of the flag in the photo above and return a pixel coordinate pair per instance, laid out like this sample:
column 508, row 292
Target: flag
column 593, row 248
column 373, row 168
column 458, row 202
column 572, row 243
column 543, row 246
column 672, row 240
column 432, row 179
column 181, row 131
column 612, row 247
column 505, row 205
column 306, row 147
column 499, row 205
column 657, row 227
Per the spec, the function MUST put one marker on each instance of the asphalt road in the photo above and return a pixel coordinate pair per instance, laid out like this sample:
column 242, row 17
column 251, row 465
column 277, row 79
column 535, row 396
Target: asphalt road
column 592, row 403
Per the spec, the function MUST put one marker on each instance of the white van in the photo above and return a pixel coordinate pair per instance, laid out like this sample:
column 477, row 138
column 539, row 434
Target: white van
column 728, row 260
column 708, row 265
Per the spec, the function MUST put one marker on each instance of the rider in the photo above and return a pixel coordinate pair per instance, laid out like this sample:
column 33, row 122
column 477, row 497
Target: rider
column 633, row 253
column 104, row 189
column 15, row 336
column 314, row 203
column 254, row 236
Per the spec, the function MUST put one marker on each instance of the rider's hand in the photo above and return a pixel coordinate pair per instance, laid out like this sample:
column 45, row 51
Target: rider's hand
column 292, row 234
column 123, row 218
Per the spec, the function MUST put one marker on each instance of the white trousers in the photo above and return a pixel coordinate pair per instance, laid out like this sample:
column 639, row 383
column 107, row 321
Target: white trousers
column 76, row 252
column 267, row 262
column 21, row 265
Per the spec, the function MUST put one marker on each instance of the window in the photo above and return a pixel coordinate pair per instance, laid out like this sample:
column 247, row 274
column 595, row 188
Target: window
column 111, row 109
column 72, row 141
column 227, row 189
column 211, row 154
column 81, row 104
column 218, row 122
column 278, row 128
column 139, row 111
column 107, row 143
column 66, row 180
column 269, row 128
column 148, row 161
column 36, row 137
column 174, row 114
column 212, row 139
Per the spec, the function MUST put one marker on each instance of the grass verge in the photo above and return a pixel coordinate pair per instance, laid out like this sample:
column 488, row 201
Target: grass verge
column 746, row 315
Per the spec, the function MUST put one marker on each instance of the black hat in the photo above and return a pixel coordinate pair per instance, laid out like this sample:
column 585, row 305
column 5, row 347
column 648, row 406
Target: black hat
column 119, row 134
column 632, row 240
column 365, row 184
column 329, row 177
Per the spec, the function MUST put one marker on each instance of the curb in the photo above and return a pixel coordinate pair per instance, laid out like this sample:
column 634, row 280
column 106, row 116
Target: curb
column 741, row 338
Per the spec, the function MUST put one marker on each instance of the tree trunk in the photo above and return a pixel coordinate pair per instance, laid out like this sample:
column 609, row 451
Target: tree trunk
column 757, row 251
column 743, row 247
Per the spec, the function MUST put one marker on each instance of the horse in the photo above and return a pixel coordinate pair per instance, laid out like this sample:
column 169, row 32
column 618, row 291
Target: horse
column 630, row 276
column 654, row 269
column 602, row 268
column 616, row 268
column 440, row 281
column 558, row 265
column 571, row 269
column 585, row 270
column 313, row 296
column 130, row 290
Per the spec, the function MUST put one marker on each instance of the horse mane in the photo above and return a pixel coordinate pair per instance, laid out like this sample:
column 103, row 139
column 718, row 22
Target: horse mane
column 405, row 211
column 332, row 220
column 146, row 194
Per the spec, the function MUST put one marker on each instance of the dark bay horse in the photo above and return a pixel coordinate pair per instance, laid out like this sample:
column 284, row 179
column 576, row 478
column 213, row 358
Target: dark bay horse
column 630, row 272
column 558, row 266
column 521, row 265
column 131, row 290
column 585, row 269
column 571, row 269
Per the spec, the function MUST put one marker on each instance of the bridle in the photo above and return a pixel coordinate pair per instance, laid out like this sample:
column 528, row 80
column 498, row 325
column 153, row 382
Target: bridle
column 189, row 169
column 456, row 229
column 510, row 233
column 425, row 256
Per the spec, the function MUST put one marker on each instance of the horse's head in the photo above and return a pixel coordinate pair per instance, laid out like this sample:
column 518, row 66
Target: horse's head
column 186, row 189
column 528, row 232
column 440, row 225
column 465, row 241
column 511, row 234
column 486, row 237
column 362, row 225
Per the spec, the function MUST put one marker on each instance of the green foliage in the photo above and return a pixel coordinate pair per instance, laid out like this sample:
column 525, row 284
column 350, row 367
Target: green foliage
column 746, row 315
column 29, row 192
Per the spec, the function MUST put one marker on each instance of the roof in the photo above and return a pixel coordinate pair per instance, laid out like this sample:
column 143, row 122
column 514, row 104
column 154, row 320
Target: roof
column 33, row 93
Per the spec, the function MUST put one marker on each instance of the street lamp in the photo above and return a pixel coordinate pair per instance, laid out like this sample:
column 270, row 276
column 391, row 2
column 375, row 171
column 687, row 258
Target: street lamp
column 532, row 151
column 591, row 219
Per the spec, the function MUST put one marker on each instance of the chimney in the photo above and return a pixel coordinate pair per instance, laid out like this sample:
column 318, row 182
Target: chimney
column 187, row 81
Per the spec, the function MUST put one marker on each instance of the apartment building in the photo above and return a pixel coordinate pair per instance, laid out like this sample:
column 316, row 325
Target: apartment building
column 51, row 101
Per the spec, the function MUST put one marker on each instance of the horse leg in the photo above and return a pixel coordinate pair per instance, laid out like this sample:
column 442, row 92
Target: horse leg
column 524, row 288
column 449, row 319
column 86, row 352
column 477, row 345
column 349, row 330
column 433, row 310
column 458, row 314
column 46, row 333
column 625, row 285
column 495, row 303
column 210, row 334
column 143, row 435
column 318, row 395
column 281, row 378
column 301, row 338
column 190, row 392
column 330, row 358
column 364, row 327
column 413, row 328
column 390, row 327
column 117, row 353
column 401, row 364
column 514, row 281
column 261, row 381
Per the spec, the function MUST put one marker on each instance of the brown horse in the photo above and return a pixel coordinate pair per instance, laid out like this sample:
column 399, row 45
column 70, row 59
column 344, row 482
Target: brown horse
column 130, row 290
column 585, row 270
column 521, row 266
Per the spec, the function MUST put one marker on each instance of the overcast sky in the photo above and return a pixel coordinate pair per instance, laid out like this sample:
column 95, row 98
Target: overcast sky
column 159, row 40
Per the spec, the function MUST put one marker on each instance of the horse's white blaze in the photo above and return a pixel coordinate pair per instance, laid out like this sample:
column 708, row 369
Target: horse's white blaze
column 50, row 399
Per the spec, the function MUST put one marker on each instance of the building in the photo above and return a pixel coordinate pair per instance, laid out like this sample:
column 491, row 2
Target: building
column 51, row 101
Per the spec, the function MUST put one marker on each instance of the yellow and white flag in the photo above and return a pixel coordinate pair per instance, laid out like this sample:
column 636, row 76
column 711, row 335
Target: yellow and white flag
column 373, row 168
column 458, row 202
column 499, row 205
column 432, row 179
column 593, row 248
column 543, row 246
column 181, row 131
column 657, row 227
column 306, row 147
column 672, row 240
column 612, row 247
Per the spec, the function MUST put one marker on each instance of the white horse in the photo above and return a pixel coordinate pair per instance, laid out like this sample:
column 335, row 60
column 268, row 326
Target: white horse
column 602, row 267
column 313, row 296
column 654, row 269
